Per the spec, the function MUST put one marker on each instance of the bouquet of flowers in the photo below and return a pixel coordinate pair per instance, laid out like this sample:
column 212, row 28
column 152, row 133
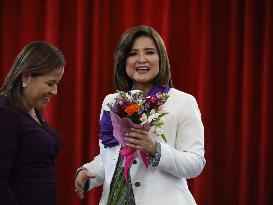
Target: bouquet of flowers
column 133, row 110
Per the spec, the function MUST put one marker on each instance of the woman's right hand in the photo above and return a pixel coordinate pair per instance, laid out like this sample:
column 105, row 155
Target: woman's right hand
column 80, row 181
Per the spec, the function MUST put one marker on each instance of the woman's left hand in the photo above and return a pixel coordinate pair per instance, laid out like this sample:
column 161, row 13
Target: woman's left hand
column 140, row 139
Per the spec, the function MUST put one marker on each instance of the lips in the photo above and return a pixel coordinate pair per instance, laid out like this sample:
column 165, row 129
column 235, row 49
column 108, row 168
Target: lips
column 47, row 99
column 142, row 68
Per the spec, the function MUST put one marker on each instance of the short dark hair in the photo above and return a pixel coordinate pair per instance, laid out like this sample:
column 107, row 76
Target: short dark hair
column 37, row 58
column 121, row 79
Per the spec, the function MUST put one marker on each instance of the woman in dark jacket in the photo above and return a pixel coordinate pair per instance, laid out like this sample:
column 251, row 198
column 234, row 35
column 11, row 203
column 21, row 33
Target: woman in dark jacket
column 28, row 146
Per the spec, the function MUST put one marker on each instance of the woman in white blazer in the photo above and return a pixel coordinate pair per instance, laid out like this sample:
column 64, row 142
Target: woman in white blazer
column 141, row 63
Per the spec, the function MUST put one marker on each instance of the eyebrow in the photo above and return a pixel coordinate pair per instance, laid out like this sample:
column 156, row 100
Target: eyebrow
column 134, row 49
column 53, row 81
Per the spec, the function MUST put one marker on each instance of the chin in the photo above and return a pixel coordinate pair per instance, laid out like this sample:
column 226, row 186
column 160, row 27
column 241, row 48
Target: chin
column 141, row 80
column 41, row 106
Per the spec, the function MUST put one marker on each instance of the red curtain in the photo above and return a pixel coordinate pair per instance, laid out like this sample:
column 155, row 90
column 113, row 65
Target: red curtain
column 220, row 51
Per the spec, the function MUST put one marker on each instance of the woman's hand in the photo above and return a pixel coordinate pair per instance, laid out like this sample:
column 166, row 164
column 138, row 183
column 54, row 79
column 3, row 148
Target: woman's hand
column 140, row 139
column 80, row 181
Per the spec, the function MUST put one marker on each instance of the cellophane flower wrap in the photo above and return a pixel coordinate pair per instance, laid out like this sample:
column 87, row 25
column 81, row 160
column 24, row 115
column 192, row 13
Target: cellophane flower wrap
column 133, row 110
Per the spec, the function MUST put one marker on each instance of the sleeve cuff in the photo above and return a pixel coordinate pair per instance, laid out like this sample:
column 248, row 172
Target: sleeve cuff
column 154, row 160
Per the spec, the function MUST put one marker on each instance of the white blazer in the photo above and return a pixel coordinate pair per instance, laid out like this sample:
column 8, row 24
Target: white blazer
column 182, row 157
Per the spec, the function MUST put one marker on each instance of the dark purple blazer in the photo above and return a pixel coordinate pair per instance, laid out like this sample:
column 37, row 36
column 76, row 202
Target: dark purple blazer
column 27, row 158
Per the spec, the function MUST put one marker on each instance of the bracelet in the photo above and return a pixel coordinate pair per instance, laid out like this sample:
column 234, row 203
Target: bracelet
column 154, row 160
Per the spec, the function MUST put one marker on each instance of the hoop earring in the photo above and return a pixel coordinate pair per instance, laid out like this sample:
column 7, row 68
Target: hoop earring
column 24, row 84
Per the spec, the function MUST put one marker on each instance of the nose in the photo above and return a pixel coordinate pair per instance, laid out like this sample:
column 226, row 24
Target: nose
column 141, row 58
column 54, row 90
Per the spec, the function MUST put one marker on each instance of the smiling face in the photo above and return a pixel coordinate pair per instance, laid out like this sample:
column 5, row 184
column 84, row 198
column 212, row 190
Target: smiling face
column 39, row 90
column 142, row 64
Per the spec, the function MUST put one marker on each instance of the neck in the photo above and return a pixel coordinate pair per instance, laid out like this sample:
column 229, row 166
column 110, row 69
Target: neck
column 32, row 112
column 27, row 108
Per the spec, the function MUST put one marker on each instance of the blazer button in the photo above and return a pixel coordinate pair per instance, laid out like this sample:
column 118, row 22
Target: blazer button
column 134, row 162
column 137, row 184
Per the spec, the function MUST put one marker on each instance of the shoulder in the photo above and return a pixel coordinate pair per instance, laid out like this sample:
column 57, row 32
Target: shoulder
column 183, row 103
column 108, row 99
column 6, row 108
column 9, row 114
column 177, row 95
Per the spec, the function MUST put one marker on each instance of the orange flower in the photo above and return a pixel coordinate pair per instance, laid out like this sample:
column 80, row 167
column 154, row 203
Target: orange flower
column 132, row 108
